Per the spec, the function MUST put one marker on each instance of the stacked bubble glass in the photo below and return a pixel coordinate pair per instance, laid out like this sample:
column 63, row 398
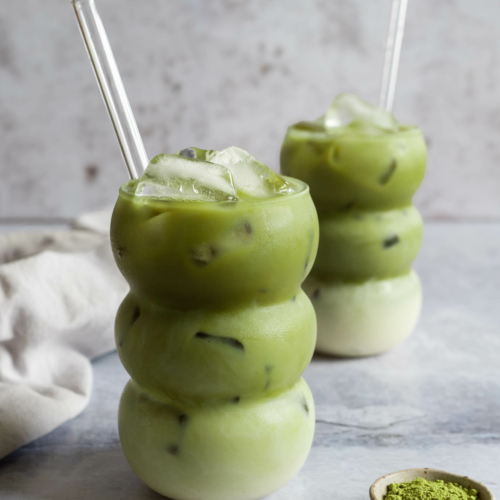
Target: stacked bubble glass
column 362, row 179
column 215, row 334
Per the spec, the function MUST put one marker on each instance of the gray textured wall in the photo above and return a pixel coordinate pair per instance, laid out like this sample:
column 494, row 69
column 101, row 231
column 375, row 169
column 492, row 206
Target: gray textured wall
column 214, row 73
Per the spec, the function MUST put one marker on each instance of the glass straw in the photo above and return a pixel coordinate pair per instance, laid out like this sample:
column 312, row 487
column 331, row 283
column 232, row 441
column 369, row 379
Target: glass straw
column 111, row 85
column 392, row 53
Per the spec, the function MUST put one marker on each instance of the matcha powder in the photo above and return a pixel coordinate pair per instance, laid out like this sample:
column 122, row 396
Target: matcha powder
column 421, row 489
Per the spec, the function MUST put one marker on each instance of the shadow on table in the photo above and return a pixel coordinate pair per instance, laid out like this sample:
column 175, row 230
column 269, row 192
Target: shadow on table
column 65, row 472
column 319, row 356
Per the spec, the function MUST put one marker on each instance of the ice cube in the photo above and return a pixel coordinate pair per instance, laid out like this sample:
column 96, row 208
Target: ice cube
column 250, row 175
column 347, row 109
column 188, row 153
column 197, row 153
column 175, row 177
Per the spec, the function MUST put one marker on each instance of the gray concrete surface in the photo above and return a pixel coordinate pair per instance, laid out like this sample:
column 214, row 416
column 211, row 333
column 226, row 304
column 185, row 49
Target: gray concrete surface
column 432, row 402
column 237, row 72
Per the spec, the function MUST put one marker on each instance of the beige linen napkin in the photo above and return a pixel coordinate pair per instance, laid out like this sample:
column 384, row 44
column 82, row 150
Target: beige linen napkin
column 59, row 292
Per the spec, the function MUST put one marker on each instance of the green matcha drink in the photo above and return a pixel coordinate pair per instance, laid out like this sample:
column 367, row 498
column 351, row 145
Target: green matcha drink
column 216, row 331
column 363, row 168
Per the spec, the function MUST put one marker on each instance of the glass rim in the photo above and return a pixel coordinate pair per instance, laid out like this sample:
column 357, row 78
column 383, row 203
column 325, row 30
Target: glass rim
column 302, row 191
column 345, row 133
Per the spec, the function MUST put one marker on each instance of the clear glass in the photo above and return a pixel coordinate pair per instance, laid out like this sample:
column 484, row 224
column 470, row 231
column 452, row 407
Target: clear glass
column 215, row 334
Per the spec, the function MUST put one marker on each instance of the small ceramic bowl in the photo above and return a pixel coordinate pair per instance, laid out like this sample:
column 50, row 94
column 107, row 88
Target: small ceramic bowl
column 378, row 489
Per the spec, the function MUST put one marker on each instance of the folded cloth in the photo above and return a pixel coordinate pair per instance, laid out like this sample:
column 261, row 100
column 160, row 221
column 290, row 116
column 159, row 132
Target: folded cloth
column 59, row 292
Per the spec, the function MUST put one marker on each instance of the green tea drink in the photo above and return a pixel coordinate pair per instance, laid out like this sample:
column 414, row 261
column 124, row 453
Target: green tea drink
column 216, row 331
column 363, row 168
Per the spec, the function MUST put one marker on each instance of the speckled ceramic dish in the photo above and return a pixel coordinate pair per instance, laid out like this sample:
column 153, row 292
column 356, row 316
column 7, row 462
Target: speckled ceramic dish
column 378, row 489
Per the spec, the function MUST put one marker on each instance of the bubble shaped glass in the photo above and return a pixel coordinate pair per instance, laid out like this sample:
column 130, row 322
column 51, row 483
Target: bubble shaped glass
column 215, row 334
column 367, row 298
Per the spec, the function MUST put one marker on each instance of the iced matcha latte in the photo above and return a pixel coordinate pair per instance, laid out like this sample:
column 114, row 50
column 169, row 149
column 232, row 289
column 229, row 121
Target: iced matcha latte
column 216, row 331
column 363, row 168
